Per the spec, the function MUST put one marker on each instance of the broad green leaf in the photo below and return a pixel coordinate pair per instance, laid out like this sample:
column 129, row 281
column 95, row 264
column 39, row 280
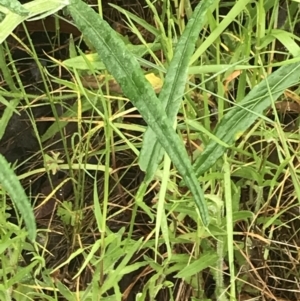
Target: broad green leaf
column 127, row 72
column 241, row 117
column 173, row 88
column 14, row 6
column 10, row 182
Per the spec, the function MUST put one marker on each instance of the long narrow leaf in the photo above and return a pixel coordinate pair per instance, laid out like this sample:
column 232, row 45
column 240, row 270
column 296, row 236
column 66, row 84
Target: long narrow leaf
column 40, row 8
column 241, row 117
column 173, row 88
column 126, row 70
column 10, row 182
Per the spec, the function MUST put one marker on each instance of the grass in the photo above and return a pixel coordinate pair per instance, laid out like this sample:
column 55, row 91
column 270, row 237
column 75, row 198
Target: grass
column 109, row 231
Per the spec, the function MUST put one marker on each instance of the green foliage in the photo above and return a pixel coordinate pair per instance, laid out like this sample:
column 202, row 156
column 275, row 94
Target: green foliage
column 66, row 214
column 10, row 183
column 12, row 273
column 15, row 15
column 207, row 259
column 173, row 88
column 19, row 13
column 126, row 70
column 14, row 6
column 244, row 114
column 85, row 61
column 248, row 195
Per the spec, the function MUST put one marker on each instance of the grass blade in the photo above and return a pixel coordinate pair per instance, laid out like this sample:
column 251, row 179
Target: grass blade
column 10, row 182
column 40, row 8
column 126, row 70
column 241, row 117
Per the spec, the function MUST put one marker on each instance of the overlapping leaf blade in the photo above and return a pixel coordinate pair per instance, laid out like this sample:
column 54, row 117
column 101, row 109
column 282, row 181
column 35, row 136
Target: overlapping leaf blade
column 173, row 88
column 241, row 117
column 126, row 70
column 40, row 8
column 10, row 182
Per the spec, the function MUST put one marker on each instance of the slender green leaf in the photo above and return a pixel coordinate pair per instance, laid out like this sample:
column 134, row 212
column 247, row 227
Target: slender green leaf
column 126, row 70
column 173, row 88
column 7, row 114
column 40, row 8
column 22, row 273
column 220, row 68
column 238, row 7
column 229, row 224
column 116, row 274
column 7, row 241
column 242, row 215
column 10, row 182
column 64, row 291
column 198, row 265
column 95, row 248
column 136, row 19
column 288, row 40
column 80, row 62
column 241, row 117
